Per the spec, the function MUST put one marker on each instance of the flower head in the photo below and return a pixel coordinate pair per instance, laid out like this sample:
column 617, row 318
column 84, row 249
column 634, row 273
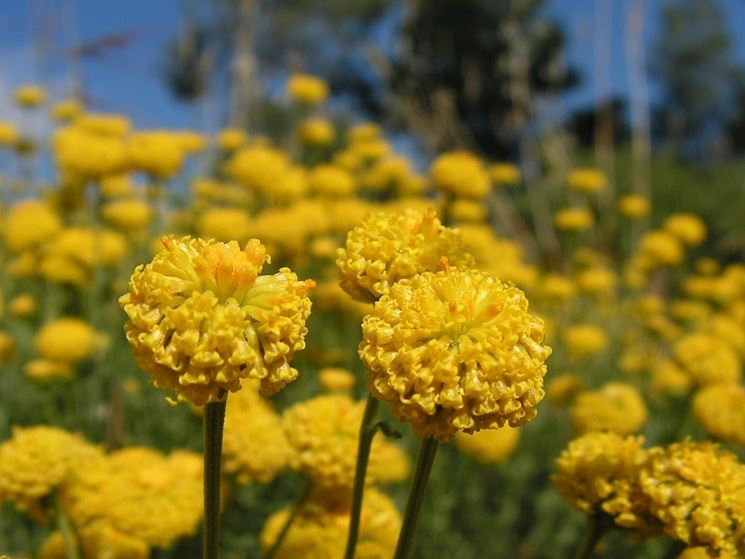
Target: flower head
column 455, row 351
column 486, row 447
column 304, row 88
column 201, row 318
column 720, row 409
column 586, row 179
column 616, row 407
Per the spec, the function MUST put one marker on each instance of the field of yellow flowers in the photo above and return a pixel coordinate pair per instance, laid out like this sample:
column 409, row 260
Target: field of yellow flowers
column 227, row 346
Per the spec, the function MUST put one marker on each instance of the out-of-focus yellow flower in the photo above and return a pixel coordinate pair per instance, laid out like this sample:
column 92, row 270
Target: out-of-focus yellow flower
column 258, row 167
column 189, row 141
column 101, row 540
column 633, row 206
column 66, row 110
column 344, row 214
column 324, row 433
column 88, row 248
column 669, row 378
column 597, row 281
column 156, row 152
column 224, row 224
column 720, row 409
column 586, row 179
column 44, row 370
column 364, row 132
column 116, row 186
column 139, row 493
column 230, row 139
column 130, row 214
column 555, row 287
column 69, row 340
column 598, row 473
column 689, row 228
column 201, row 318
column 23, row 305
column 28, row 223
column 304, row 88
column 331, row 181
column 316, row 132
column 689, row 310
column 387, row 247
column 617, row 407
column 464, row 210
column 103, row 124
column 460, row 173
column 583, row 340
column 696, row 491
column 8, row 134
column 29, row 96
column 320, row 528
column 35, row 461
column 386, row 174
column 455, row 351
column 702, row 553
column 7, row 348
column 574, row 219
column 707, row 359
column 727, row 328
column 661, row 248
column 255, row 447
column 336, row 379
column 505, row 174
column 490, row 446
column 87, row 155
column 562, row 389
column 707, row 266
column 372, row 150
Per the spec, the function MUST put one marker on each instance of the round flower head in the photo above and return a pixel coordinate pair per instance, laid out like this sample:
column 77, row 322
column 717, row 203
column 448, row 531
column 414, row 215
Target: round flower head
column 586, row 180
column 320, row 528
column 29, row 223
column 7, row 348
column 616, row 407
column 598, row 473
column 486, row 447
column 139, row 493
column 36, row 461
column 255, row 447
column 720, row 409
column 324, row 433
column 689, row 228
column 460, row 173
column 707, row 359
column 387, row 247
column 696, row 490
column 69, row 340
column 201, row 318
column 633, row 206
column 307, row 89
column 573, row 219
column 506, row 174
column 455, row 351
column 30, row 96
column 583, row 340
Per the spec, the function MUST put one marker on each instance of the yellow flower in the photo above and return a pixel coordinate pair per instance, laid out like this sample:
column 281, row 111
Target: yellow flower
column 230, row 139
column 224, row 224
column 487, row 447
column 35, row 461
column 23, row 305
column 66, row 110
column 661, row 248
column 88, row 248
column 669, row 378
column 336, row 379
column 689, row 228
column 116, row 186
column 702, row 553
column 364, row 132
column 597, row 281
column 8, row 134
column 255, row 447
column 157, row 152
column 324, row 433
column 316, row 132
column 555, row 287
column 139, row 493
column 696, row 490
column 387, row 247
column 331, row 181
column 455, row 351
column 616, row 407
column 304, row 88
column 574, row 219
column 130, row 215
column 707, row 359
column 320, row 528
column 44, row 370
column 460, row 173
column 633, row 206
column 464, row 210
column 30, row 96
column 598, row 473
column 506, row 174
column 585, row 179
column 7, row 348
column 101, row 540
column 258, row 167
column 201, row 318
column 87, row 155
column 720, row 409
column 563, row 389
column 66, row 339
column 102, row 124
column 583, row 340
column 28, row 223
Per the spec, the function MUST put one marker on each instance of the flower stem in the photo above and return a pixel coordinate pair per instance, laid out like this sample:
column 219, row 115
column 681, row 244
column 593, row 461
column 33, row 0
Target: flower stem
column 302, row 498
column 596, row 529
column 368, row 428
column 63, row 523
column 424, row 461
column 214, row 420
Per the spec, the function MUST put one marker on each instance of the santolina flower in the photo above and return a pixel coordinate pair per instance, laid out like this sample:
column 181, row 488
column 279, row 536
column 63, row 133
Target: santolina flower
column 455, row 351
column 387, row 247
column 616, row 407
column 201, row 318
column 720, row 409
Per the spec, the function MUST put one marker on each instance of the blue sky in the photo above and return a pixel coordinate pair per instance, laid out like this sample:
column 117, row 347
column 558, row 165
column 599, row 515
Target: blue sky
column 126, row 79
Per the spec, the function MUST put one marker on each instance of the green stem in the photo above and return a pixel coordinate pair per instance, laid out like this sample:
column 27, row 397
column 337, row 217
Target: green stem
column 424, row 461
column 302, row 498
column 214, row 420
column 597, row 526
column 368, row 428
column 68, row 536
